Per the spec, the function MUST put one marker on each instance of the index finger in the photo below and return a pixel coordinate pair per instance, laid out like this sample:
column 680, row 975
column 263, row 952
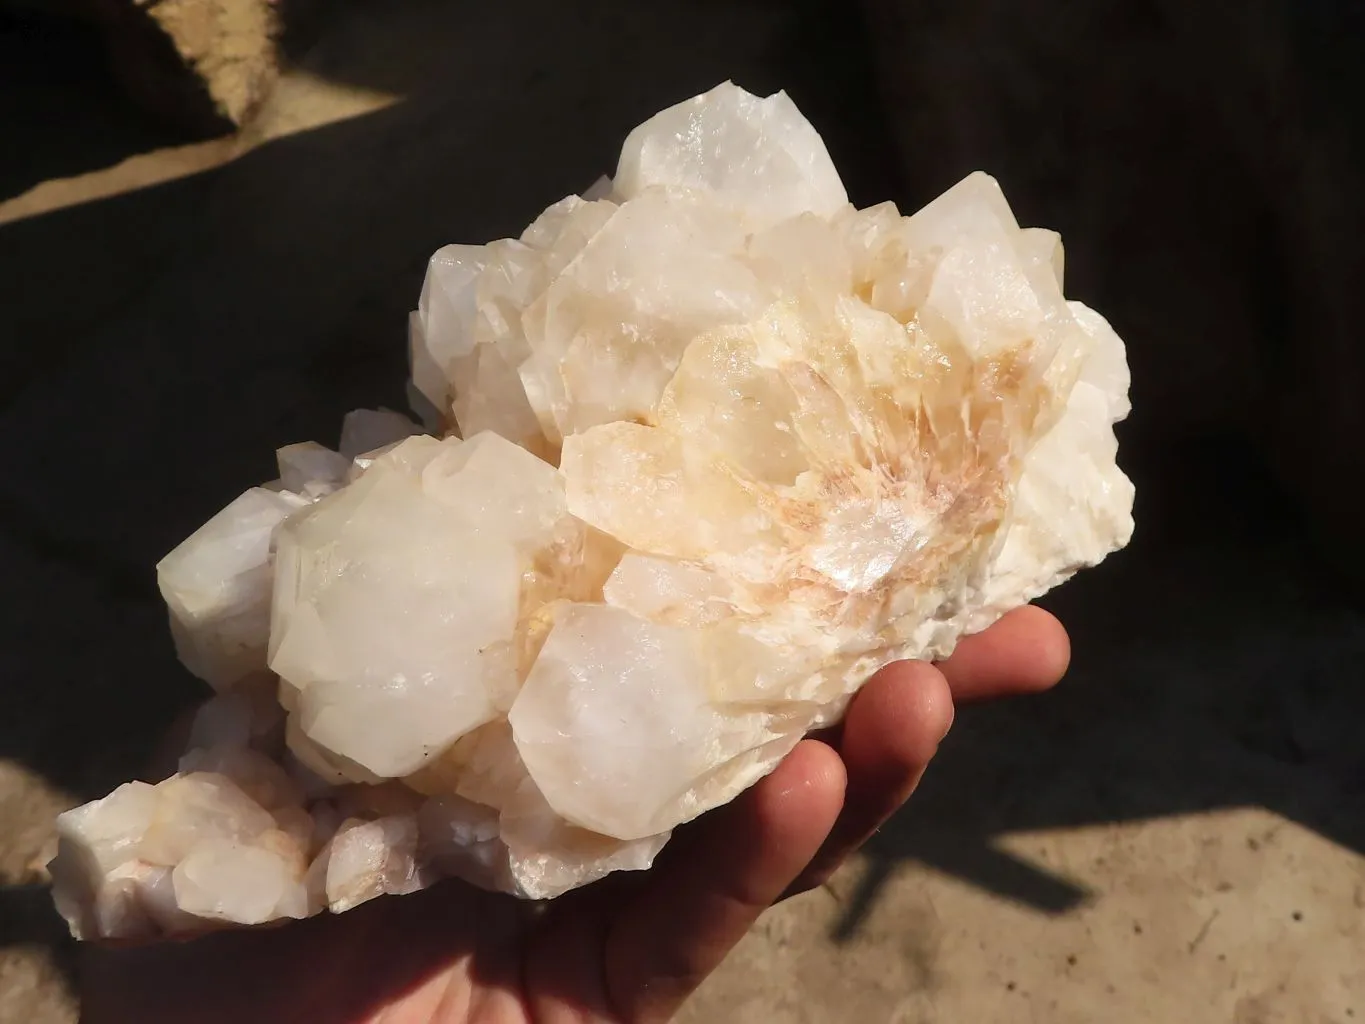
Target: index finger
column 1027, row 651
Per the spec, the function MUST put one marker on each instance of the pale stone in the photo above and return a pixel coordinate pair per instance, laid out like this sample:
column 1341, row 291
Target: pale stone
column 217, row 586
column 246, row 717
column 108, row 831
column 388, row 672
column 607, row 333
column 547, row 856
column 311, row 470
column 198, row 807
column 262, row 780
column 442, row 328
column 225, row 881
column 154, row 887
column 368, row 430
column 199, row 848
column 611, row 694
column 711, row 447
column 489, row 823
column 759, row 157
column 462, row 838
column 369, row 859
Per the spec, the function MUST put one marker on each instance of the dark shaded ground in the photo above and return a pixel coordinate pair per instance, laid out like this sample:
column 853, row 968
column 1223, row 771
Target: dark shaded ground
column 155, row 348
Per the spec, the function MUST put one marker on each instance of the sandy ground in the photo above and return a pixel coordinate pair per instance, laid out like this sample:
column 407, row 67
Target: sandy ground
column 1175, row 835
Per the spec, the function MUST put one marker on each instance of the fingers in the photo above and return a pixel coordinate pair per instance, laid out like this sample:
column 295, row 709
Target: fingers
column 894, row 725
column 1025, row 652
column 890, row 734
column 700, row 901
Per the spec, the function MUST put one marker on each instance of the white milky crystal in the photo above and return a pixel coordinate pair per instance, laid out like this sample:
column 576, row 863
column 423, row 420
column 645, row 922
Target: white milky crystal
column 612, row 693
column 217, row 583
column 237, row 719
column 204, row 846
column 396, row 650
column 310, row 469
column 371, row 858
column 109, row 831
column 367, row 430
column 225, row 881
column 546, row 856
column 217, row 586
column 464, row 838
column 758, row 157
column 711, row 447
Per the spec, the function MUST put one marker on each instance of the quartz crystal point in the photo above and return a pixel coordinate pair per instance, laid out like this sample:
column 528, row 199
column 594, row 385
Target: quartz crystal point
column 707, row 448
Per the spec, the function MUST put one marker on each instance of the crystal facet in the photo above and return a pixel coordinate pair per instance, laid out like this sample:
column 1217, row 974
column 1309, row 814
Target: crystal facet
column 711, row 447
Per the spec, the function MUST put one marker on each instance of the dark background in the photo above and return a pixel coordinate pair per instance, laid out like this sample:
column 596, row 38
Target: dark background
column 1201, row 159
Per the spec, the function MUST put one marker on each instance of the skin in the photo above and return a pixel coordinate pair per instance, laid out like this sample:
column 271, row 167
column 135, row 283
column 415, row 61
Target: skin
column 628, row 950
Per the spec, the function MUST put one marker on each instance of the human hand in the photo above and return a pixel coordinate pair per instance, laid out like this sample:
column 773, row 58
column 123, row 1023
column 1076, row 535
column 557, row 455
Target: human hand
column 626, row 950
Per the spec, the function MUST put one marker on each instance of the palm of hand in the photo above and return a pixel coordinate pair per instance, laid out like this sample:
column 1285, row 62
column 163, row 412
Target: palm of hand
column 629, row 949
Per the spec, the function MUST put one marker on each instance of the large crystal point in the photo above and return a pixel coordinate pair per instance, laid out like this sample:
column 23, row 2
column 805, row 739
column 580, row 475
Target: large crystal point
column 711, row 446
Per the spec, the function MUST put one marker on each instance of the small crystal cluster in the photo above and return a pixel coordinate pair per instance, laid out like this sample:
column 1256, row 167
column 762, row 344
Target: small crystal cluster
column 707, row 447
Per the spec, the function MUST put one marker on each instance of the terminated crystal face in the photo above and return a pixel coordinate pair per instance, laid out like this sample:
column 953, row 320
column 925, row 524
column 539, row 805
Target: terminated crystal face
column 704, row 452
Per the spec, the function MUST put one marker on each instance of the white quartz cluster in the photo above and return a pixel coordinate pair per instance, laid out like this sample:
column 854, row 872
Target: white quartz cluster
column 707, row 448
